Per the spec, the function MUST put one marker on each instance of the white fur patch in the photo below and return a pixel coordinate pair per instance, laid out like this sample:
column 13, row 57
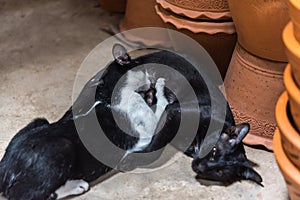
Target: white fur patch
column 140, row 115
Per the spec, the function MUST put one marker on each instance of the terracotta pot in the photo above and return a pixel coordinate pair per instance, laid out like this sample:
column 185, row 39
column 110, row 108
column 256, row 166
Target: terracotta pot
column 113, row 5
column 218, row 39
column 295, row 16
column 289, row 171
column 253, row 86
column 294, row 95
column 289, row 136
column 259, row 24
column 198, row 9
column 292, row 51
column 140, row 14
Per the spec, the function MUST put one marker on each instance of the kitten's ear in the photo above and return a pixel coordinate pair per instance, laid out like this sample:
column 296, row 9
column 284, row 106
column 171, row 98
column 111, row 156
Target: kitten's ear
column 241, row 131
column 120, row 55
column 250, row 174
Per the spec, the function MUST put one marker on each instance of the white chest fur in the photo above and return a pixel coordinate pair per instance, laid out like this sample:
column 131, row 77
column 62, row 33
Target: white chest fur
column 141, row 117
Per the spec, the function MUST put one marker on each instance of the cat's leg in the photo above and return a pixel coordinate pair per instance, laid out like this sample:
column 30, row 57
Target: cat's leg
column 162, row 101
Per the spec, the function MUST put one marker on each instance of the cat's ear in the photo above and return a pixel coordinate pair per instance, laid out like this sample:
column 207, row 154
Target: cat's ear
column 248, row 173
column 233, row 136
column 240, row 132
column 120, row 54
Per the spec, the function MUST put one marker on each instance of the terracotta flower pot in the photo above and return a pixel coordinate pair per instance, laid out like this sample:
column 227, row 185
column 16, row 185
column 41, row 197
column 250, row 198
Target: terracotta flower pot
column 198, row 9
column 253, row 86
column 289, row 171
column 113, row 5
column 292, row 51
column 259, row 24
column 218, row 39
column 289, row 136
column 294, row 95
column 140, row 14
column 295, row 16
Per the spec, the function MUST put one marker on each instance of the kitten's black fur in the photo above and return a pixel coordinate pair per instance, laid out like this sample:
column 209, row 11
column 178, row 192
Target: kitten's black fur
column 42, row 156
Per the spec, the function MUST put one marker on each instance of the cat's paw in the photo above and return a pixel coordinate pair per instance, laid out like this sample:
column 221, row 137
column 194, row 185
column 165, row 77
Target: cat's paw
column 72, row 187
column 160, row 84
column 162, row 101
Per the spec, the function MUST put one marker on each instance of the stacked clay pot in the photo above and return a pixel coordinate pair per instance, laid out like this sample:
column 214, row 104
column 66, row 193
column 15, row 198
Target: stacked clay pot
column 141, row 14
column 208, row 22
column 259, row 25
column 295, row 17
column 286, row 143
column 292, row 79
column 253, row 86
column 287, row 137
column 113, row 5
column 290, row 172
column 254, row 79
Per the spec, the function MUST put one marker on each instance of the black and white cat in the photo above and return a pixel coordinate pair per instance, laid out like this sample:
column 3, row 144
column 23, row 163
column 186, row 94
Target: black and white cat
column 49, row 161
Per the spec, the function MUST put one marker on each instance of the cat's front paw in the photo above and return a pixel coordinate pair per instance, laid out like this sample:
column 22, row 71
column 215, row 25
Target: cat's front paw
column 72, row 187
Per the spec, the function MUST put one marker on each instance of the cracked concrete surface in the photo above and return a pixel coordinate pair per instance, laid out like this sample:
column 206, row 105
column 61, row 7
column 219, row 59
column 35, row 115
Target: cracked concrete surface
column 42, row 44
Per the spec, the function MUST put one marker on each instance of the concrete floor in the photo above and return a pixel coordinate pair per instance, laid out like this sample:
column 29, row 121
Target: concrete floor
column 42, row 44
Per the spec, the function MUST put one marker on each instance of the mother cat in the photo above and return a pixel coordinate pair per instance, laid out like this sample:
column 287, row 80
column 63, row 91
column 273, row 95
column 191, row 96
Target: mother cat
column 50, row 161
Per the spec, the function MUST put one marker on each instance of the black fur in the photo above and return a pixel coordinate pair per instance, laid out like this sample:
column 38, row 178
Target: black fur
column 41, row 157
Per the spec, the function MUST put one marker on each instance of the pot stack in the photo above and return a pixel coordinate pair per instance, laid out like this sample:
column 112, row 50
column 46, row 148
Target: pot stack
column 141, row 14
column 208, row 22
column 113, row 5
column 287, row 136
column 254, row 79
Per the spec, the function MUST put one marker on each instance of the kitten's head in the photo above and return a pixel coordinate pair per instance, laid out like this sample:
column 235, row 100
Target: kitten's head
column 227, row 161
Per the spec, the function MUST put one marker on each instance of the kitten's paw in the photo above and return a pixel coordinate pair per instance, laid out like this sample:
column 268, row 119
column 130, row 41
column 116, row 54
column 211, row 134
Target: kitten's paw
column 72, row 187
column 160, row 84
column 79, row 186
column 162, row 101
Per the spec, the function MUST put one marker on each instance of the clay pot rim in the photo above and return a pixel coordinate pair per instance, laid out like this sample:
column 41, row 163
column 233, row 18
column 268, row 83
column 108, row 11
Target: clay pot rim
column 290, row 84
column 252, row 139
column 290, row 41
column 286, row 166
column 196, row 27
column 205, row 7
column 274, row 69
column 295, row 11
column 295, row 4
column 284, row 125
column 194, row 14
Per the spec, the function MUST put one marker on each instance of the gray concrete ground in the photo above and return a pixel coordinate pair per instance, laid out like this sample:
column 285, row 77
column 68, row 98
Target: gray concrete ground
column 42, row 44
